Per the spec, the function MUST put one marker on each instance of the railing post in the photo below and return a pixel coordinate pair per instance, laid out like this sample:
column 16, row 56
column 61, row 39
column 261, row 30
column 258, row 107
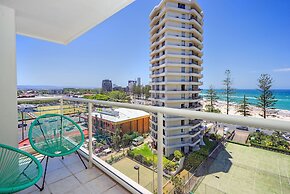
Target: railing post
column 90, row 126
column 61, row 106
column 160, row 153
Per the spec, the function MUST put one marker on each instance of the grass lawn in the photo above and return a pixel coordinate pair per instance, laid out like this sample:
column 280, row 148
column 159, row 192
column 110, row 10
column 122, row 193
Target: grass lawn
column 67, row 109
column 240, row 169
column 145, row 151
column 126, row 166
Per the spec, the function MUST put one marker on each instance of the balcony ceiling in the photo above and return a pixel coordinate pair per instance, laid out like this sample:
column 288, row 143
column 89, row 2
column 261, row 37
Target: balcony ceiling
column 61, row 21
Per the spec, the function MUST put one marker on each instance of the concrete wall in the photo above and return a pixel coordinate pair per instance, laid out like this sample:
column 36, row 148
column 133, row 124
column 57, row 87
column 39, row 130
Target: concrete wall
column 8, row 84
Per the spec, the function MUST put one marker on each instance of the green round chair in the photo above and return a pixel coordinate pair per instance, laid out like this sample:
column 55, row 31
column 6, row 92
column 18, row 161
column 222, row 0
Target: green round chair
column 18, row 169
column 55, row 135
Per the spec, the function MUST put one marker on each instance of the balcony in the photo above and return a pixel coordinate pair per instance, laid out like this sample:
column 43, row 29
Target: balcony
column 182, row 143
column 69, row 176
column 176, row 73
column 176, row 82
column 115, row 179
column 176, row 64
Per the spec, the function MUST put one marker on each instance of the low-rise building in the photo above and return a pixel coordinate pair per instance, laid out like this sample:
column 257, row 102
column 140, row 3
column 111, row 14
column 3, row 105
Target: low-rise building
column 127, row 120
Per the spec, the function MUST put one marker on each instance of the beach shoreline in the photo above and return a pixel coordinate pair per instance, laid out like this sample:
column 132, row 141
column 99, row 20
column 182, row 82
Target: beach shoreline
column 277, row 114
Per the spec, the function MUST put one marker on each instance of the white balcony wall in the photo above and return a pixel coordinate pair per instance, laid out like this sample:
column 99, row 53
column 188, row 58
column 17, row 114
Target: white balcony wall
column 8, row 84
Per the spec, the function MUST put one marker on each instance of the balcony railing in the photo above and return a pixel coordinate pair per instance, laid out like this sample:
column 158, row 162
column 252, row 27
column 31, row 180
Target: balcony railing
column 161, row 111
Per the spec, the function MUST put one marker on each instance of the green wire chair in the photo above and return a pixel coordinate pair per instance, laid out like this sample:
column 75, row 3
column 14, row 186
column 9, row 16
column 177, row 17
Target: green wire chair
column 18, row 169
column 55, row 135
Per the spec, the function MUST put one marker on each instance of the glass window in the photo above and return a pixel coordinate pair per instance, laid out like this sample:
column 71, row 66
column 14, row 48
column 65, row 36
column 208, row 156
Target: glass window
column 181, row 5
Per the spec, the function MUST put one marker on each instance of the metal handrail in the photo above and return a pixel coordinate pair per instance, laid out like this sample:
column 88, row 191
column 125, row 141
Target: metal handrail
column 229, row 119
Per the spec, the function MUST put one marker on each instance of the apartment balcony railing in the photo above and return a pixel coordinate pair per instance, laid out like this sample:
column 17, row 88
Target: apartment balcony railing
column 160, row 112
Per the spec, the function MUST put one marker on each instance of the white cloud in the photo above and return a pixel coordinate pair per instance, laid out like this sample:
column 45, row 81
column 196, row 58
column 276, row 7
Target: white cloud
column 282, row 70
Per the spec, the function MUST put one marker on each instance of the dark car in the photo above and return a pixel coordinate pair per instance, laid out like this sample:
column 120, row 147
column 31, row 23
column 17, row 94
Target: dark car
column 243, row 128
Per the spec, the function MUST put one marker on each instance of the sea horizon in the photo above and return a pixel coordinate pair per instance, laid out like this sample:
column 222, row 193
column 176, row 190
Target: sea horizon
column 282, row 96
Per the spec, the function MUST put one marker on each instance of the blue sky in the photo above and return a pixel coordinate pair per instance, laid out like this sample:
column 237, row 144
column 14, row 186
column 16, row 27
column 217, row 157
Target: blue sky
column 249, row 37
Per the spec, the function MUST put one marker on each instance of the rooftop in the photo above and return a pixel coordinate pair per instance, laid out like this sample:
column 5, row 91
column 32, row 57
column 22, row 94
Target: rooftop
column 120, row 114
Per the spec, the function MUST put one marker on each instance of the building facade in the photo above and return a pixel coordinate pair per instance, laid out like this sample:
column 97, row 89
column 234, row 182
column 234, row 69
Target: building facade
column 107, row 85
column 176, row 65
column 139, row 81
column 131, row 84
column 127, row 120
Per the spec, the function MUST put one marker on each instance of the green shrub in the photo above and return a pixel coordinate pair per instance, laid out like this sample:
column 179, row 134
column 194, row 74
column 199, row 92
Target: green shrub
column 139, row 158
column 282, row 150
column 147, row 161
column 178, row 154
column 273, row 141
column 193, row 160
column 130, row 154
column 170, row 166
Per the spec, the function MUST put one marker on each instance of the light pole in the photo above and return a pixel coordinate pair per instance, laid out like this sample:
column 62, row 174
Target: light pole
column 137, row 168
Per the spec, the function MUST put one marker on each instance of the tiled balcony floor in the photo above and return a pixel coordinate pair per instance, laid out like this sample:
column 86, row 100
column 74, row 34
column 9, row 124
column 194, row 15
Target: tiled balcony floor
column 70, row 176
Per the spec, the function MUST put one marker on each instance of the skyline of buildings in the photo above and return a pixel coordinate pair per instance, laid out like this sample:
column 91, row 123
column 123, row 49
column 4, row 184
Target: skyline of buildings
column 176, row 65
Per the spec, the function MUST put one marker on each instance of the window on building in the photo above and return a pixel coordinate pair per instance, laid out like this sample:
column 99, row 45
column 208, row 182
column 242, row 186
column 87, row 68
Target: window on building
column 181, row 130
column 183, row 44
column 183, row 61
column 182, row 69
column 181, row 5
column 182, row 122
column 182, row 139
column 182, row 87
column 183, row 51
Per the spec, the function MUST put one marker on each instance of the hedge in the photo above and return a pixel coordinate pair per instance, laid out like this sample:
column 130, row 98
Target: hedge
column 271, row 148
column 238, row 143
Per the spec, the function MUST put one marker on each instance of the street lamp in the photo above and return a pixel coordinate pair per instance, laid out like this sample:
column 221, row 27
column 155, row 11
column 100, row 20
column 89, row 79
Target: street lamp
column 136, row 167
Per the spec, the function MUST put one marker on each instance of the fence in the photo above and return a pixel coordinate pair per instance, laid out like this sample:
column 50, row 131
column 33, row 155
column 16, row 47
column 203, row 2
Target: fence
column 202, row 170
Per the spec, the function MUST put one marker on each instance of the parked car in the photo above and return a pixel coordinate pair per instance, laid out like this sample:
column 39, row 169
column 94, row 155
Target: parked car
column 286, row 137
column 242, row 128
column 138, row 141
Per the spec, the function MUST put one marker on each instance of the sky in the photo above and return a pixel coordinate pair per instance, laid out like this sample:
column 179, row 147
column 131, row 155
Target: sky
column 248, row 37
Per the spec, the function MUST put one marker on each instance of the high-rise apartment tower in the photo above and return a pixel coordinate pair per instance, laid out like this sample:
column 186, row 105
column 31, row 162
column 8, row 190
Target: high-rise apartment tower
column 176, row 65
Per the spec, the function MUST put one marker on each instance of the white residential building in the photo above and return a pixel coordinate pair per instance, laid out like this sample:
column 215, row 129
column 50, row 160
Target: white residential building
column 176, row 51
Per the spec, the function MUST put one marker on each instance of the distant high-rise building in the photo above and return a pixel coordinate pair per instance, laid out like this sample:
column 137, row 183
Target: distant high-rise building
column 131, row 84
column 107, row 85
column 139, row 81
column 176, row 51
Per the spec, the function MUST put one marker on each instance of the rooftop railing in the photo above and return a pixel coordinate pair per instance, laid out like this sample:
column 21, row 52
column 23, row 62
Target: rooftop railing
column 121, row 178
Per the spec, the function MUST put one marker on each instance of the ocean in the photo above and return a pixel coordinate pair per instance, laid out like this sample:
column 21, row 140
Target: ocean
column 282, row 96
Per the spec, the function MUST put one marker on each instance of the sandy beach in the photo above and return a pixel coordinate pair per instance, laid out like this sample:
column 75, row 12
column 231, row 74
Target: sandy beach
column 255, row 112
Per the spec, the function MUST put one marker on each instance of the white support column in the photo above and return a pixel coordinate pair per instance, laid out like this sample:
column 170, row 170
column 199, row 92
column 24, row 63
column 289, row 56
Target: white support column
column 160, row 153
column 8, row 83
column 90, row 126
